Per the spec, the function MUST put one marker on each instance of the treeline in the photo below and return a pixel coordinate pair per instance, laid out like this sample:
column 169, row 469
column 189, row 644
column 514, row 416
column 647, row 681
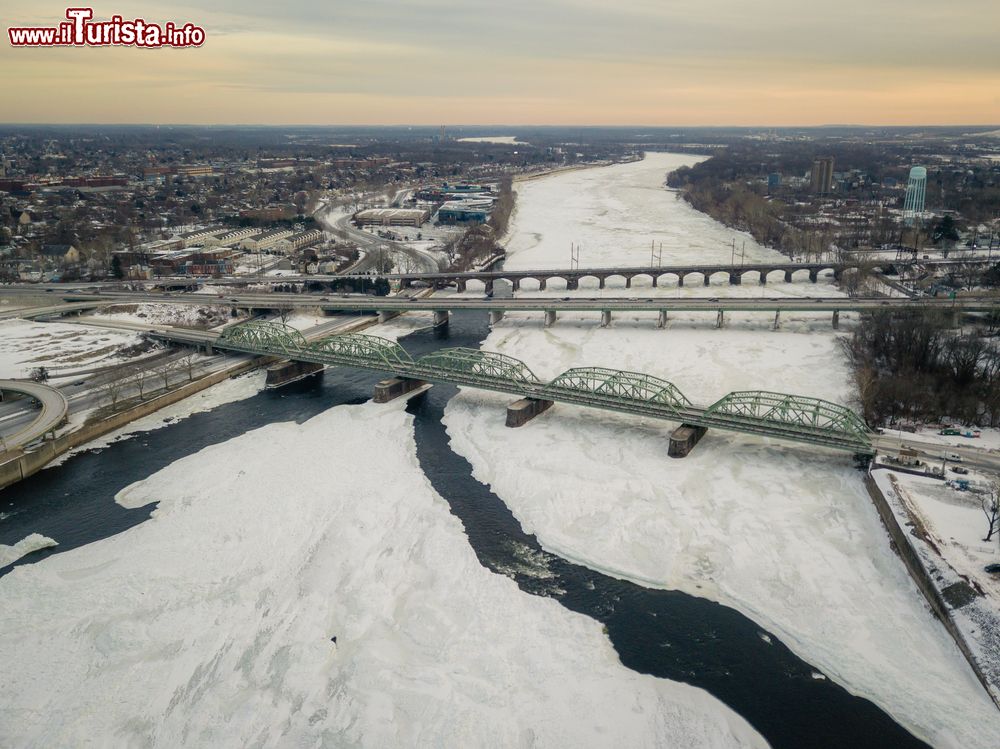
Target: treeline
column 503, row 207
column 912, row 367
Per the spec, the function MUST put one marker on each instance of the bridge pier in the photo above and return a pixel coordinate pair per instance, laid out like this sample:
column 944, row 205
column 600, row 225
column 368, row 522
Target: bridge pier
column 460, row 285
column 550, row 318
column 522, row 411
column 601, row 281
column 836, row 319
column 628, row 282
column 708, row 279
column 489, row 288
column 680, row 280
column 515, row 284
column 209, row 351
column 394, row 387
column 572, row 284
column 813, row 276
column 285, row 372
column 777, row 315
column 440, row 318
column 656, row 280
column 386, row 315
column 541, row 284
column 763, row 278
column 788, row 276
column 683, row 439
column 720, row 320
column 605, row 318
column 662, row 321
column 735, row 278
column 496, row 316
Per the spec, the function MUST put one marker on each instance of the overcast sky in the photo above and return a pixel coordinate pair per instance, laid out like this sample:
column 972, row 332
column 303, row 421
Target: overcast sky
column 639, row 62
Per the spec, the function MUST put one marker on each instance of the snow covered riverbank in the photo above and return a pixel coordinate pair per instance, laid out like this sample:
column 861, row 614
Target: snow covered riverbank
column 211, row 624
column 785, row 534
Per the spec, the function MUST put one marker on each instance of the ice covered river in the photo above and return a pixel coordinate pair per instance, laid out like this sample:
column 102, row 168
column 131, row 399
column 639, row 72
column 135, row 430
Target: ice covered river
column 202, row 567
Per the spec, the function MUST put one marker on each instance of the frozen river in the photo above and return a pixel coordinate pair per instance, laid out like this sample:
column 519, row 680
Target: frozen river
column 786, row 535
column 202, row 568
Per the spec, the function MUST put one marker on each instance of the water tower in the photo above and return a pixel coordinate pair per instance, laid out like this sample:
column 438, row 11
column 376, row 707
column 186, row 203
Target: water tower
column 916, row 193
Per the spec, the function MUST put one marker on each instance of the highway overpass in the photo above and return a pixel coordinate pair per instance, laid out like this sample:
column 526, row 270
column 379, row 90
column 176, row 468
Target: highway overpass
column 53, row 411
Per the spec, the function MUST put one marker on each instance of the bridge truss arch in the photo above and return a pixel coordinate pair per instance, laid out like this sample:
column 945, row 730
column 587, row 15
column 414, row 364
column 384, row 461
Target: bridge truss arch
column 619, row 385
column 263, row 336
column 370, row 349
column 474, row 365
column 800, row 414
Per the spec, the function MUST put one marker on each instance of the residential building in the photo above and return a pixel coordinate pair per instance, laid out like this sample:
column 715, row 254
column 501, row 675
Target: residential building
column 265, row 241
column 231, row 238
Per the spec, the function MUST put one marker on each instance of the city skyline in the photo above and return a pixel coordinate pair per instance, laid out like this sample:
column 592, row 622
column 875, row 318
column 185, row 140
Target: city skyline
column 559, row 62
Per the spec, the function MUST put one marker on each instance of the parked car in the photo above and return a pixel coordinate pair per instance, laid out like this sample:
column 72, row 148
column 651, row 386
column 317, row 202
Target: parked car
column 959, row 470
column 953, row 457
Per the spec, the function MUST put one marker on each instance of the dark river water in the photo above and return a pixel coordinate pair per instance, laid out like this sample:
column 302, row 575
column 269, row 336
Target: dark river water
column 664, row 633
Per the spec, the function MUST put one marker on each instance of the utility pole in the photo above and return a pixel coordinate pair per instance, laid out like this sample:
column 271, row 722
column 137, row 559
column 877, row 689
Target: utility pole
column 574, row 256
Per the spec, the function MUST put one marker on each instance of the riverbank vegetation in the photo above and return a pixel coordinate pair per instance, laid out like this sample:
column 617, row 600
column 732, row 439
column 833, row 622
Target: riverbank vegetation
column 913, row 367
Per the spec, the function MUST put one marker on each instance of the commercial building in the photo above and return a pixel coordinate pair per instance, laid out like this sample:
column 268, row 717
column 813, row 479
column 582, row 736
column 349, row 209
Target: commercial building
column 392, row 217
column 822, row 175
column 916, row 195
column 464, row 212
column 198, row 262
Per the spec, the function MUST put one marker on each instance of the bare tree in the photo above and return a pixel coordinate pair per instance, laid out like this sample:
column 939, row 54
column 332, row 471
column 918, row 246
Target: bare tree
column 284, row 313
column 187, row 363
column 164, row 368
column 991, row 508
column 113, row 389
column 138, row 375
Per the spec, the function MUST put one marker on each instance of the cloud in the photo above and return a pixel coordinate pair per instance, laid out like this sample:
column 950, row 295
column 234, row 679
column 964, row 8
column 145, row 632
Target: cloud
column 530, row 61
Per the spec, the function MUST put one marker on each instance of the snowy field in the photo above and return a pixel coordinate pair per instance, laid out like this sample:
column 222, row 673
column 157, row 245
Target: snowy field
column 25, row 345
column 211, row 624
column 956, row 523
column 785, row 534
column 182, row 315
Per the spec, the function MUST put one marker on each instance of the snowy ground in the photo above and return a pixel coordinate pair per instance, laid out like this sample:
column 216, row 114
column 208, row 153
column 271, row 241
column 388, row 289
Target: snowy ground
column 785, row 534
column 947, row 529
column 955, row 521
column 211, row 623
column 183, row 315
column 25, row 345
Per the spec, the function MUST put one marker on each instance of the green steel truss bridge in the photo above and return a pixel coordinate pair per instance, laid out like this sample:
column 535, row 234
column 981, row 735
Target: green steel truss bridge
column 787, row 417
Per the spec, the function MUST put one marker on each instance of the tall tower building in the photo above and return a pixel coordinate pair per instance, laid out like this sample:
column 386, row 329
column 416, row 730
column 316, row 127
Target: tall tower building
column 916, row 194
column 822, row 175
